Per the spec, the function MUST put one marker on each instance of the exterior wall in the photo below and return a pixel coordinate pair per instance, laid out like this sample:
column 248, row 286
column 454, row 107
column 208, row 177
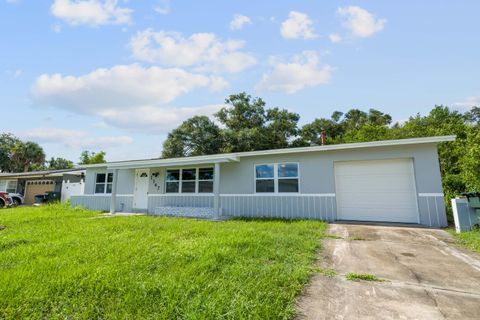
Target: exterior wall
column 125, row 185
column 316, row 197
column 307, row 206
column 102, row 203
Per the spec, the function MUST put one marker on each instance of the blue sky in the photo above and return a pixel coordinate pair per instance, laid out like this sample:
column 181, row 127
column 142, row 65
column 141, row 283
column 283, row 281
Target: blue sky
column 119, row 75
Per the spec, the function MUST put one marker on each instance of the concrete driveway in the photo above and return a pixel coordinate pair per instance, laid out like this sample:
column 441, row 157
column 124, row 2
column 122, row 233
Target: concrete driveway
column 427, row 276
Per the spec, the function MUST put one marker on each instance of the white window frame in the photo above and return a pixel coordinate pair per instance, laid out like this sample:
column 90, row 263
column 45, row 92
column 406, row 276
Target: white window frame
column 104, row 183
column 5, row 187
column 197, row 180
column 275, row 177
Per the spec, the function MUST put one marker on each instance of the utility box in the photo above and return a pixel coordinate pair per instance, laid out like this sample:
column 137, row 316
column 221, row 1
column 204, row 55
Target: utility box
column 473, row 199
column 465, row 216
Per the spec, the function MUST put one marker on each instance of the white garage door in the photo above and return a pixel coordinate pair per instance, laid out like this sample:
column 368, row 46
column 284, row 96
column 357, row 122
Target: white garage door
column 379, row 190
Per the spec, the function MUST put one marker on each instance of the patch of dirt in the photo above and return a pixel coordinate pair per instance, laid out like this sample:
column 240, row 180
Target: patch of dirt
column 2, row 227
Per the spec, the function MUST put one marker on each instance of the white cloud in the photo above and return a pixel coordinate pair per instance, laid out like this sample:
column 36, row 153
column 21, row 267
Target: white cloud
column 472, row 101
column 12, row 1
column 302, row 72
column 297, row 26
column 74, row 138
column 91, row 12
column 239, row 21
column 335, row 37
column 159, row 119
column 360, row 22
column 162, row 7
column 127, row 96
column 201, row 50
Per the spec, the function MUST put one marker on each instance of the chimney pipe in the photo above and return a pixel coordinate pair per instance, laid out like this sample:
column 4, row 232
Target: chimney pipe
column 322, row 138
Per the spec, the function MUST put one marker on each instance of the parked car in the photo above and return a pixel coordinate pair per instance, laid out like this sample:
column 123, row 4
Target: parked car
column 5, row 200
column 17, row 199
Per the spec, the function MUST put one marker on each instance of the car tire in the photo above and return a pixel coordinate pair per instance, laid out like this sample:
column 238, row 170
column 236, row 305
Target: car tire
column 2, row 204
column 16, row 202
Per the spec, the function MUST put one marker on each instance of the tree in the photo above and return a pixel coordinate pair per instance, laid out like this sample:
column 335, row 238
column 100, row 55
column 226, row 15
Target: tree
column 195, row 136
column 473, row 115
column 59, row 163
column 26, row 155
column 250, row 126
column 244, row 121
column 7, row 142
column 87, row 157
column 310, row 134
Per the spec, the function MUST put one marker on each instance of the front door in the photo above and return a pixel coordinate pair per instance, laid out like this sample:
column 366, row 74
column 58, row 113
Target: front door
column 140, row 194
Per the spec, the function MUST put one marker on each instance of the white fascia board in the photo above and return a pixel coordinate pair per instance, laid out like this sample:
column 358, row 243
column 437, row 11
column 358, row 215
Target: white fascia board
column 172, row 162
column 229, row 157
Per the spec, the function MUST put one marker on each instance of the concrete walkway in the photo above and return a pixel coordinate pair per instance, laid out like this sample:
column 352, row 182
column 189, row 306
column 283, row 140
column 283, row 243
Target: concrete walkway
column 427, row 276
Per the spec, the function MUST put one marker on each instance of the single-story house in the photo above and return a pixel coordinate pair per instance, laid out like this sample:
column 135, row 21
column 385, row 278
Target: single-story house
column 29, row 184
column 388, row 181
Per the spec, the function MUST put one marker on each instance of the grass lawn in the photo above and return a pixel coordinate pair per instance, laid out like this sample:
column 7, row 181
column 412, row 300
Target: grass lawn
column 57, row 262
column 470, row 240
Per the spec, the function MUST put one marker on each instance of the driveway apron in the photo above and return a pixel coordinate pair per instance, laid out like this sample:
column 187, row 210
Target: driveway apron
column 426, row 276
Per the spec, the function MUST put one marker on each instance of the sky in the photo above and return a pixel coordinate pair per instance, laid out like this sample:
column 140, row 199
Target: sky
column 119, row 75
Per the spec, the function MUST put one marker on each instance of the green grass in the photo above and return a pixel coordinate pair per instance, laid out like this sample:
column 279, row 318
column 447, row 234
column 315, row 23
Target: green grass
column 332, row 236
column 57, row 262
column 356, row 238
column 327, row 272
column 470, row 240
column 362, row 276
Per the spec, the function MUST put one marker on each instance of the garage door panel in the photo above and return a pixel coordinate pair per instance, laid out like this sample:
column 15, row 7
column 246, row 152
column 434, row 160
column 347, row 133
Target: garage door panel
column 379, row 190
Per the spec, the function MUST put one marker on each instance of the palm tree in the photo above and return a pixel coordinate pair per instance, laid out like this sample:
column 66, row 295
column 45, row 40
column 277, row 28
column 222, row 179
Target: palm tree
column 26, row 154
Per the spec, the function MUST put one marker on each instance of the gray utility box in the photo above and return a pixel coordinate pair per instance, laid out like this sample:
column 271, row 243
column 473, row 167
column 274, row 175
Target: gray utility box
column 473, row 199
column 466, row 211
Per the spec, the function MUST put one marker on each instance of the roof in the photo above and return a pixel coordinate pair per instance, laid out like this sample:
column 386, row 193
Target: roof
column 232, row 157
column 41, row 174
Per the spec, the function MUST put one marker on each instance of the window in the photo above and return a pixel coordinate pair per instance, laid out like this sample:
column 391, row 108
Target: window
column 276, row 178
column 172, row 181
column 288, row 177
column 265, row 178
column 205, row 180
column 103, row 183
column 9, row 186
column 191, row 180
column 188, row 180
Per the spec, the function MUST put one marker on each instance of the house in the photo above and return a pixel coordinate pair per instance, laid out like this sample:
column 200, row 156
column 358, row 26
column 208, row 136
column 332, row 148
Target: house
column 29, row 184
column 389, row 181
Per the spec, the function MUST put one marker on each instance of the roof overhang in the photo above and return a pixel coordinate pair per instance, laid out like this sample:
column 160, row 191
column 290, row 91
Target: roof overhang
column 40, row 174
column 158, row 163
column 234, row 157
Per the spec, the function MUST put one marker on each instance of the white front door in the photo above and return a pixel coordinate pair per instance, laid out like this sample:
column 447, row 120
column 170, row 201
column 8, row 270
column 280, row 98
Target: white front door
column 376, row 190
column 140, row 194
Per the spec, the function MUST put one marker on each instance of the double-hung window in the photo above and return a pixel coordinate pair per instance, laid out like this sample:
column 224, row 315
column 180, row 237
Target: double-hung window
column 103, row 182
column 276, row 178
column 9, row 186
column 189, row 180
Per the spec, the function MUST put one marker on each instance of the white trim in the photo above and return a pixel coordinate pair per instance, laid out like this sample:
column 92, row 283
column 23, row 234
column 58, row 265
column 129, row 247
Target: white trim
column 431, row 195
column 104, row 195
column 283, row 194
column 180, row 179
column 105, row 184
column 275, row 177
column 231, row 157
column 181, row 195
column 243, row 195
